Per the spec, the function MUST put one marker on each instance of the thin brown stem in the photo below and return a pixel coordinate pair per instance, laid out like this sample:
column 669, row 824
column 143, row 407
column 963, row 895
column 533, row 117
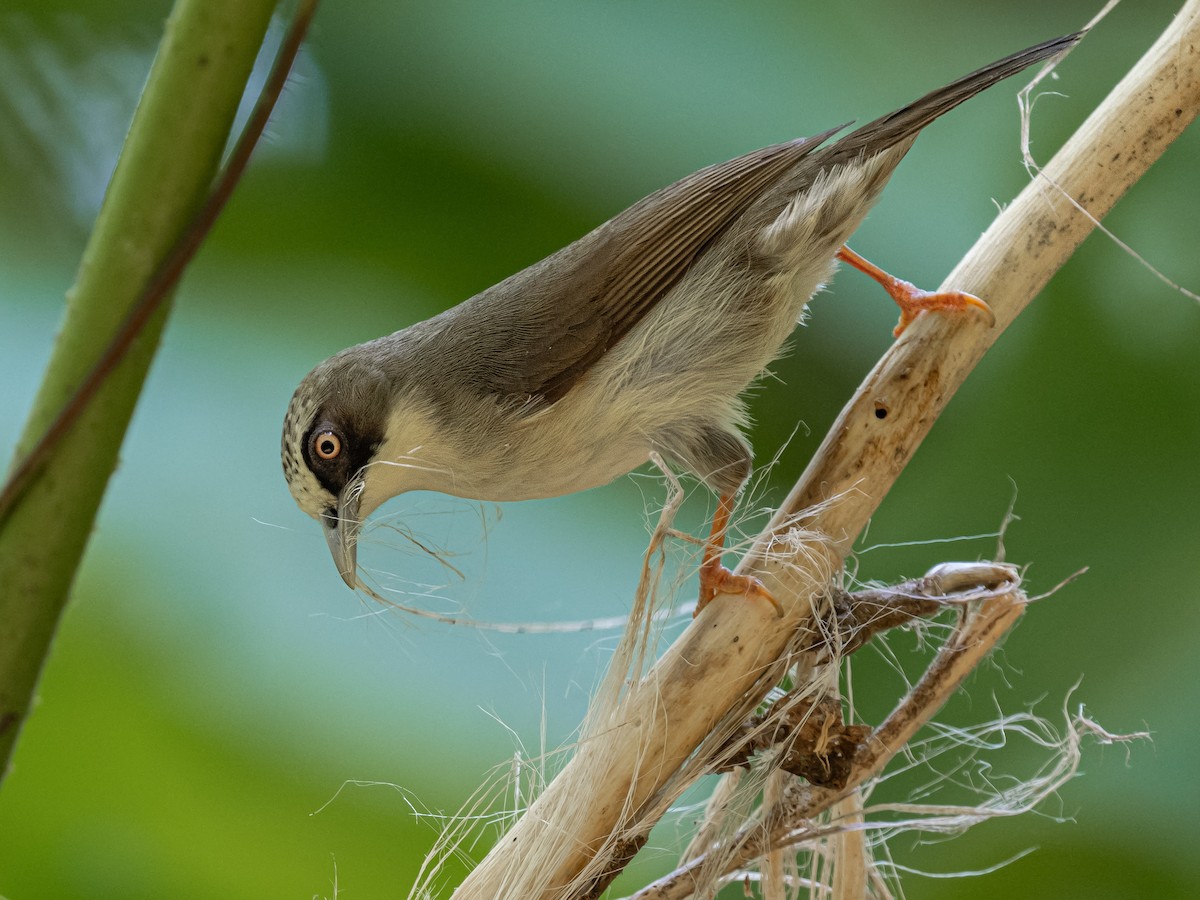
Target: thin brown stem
column 168, row 274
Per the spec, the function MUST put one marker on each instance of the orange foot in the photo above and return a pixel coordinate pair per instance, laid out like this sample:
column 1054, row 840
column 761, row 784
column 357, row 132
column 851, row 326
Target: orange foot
column 716, row 579
column 912, row 300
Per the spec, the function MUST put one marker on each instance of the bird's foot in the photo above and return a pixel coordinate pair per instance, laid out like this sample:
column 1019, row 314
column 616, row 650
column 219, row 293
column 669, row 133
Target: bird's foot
column 716, row 579
column 912, row 300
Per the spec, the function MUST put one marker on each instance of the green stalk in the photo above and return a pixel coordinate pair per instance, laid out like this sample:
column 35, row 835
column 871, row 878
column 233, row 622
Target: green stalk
column 166, row 169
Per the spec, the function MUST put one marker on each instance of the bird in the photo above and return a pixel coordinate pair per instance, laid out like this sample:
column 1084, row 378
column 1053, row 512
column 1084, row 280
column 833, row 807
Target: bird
column 639, row 338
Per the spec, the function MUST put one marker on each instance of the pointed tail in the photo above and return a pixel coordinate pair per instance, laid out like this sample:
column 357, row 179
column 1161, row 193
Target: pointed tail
column 905, row 122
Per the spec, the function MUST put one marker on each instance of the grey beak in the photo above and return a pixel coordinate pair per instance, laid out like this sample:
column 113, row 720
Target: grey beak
column 341, row 533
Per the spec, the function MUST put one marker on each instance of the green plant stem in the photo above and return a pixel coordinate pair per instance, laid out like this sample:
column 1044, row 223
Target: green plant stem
column 166, row 168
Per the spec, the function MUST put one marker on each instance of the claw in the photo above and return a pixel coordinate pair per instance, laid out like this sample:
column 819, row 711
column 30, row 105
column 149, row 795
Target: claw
column 912, row 300
column 716, row 579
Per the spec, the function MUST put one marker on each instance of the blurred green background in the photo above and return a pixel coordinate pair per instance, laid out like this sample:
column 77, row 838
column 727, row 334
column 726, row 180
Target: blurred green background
column 217, row 702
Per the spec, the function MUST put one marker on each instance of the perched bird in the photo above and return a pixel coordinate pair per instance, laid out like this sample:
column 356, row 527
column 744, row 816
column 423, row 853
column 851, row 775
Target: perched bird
column 640, row 336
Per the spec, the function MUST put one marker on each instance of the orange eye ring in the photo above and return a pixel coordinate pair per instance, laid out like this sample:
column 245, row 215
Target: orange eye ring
column 327, row 445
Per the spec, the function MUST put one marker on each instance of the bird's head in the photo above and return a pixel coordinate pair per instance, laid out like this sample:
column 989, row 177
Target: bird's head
column 334, row 428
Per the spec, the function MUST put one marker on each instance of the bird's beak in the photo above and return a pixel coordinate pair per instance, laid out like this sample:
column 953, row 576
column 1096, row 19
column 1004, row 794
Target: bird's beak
column 342, row 535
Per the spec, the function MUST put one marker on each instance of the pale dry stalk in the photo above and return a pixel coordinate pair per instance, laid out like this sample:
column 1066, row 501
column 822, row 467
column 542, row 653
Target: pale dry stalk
column 592, row 815
column 791, row 820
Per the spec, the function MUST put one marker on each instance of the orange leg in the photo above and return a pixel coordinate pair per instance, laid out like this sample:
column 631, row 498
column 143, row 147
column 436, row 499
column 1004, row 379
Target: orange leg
column 714, row 577
column 912, row 300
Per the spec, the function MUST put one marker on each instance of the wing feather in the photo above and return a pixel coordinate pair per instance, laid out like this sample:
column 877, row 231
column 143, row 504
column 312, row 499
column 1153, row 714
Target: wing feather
column 544, row 327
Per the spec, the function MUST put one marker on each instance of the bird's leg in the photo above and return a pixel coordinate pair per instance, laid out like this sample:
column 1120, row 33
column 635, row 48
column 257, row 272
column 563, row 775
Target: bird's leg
column 911, row 299
column 714, row 577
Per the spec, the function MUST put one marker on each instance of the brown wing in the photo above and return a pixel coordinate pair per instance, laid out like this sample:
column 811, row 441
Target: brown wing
column 535, row 334
column 659, row 238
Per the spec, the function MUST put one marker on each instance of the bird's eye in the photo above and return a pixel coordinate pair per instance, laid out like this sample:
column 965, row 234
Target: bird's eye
column 327, row 445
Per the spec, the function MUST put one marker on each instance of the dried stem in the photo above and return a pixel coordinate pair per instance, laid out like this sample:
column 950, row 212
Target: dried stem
column 790, row 820
column 721, row 667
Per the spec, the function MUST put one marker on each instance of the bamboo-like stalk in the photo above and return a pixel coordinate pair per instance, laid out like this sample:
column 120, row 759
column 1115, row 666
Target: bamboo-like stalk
column 166, row 167
column 596, row 808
